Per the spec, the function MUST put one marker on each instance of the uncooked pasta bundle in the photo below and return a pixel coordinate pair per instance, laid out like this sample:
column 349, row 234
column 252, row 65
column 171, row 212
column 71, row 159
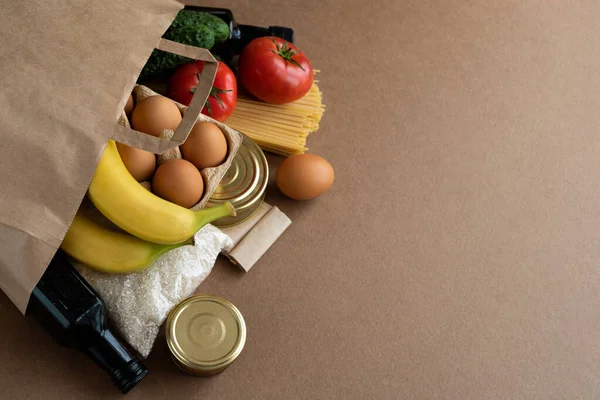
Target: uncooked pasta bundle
column 279, row 128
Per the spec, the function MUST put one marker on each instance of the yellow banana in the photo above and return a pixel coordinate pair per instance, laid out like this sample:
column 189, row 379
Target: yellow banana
column 106, row 250
column 136, row 210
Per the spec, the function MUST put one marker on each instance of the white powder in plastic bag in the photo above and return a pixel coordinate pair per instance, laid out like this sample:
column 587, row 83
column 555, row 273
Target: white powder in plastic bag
column 139, row 303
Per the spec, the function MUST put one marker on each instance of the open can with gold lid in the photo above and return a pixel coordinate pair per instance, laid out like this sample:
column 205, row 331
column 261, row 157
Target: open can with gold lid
column 205, row 334
column 243, row 185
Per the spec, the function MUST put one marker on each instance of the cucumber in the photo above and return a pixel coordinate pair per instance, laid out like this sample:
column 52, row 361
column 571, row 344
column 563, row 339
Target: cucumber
column 193, row 19
column 198, row 36
column 161, row 62
column 217, row 25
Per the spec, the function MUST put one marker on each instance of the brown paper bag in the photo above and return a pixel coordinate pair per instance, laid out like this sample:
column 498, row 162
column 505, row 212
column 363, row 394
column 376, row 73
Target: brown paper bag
column 66, row 70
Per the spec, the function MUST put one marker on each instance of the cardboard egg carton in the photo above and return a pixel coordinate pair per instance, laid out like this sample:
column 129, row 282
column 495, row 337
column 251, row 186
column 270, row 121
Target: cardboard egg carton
column 211, row 176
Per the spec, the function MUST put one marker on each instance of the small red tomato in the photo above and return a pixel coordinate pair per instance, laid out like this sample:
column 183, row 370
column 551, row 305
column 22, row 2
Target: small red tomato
column 274, row 70
column 223, row 94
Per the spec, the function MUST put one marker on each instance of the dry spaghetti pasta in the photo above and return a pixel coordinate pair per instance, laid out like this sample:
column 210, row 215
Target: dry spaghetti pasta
column 279, row 128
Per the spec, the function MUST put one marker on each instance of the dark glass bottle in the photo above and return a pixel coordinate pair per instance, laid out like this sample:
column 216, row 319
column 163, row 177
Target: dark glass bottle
column 73, row 313
column 240, row 35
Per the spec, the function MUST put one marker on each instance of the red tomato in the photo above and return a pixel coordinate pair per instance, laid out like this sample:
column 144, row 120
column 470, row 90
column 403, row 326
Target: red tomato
column 223, row 94
column 274, row 70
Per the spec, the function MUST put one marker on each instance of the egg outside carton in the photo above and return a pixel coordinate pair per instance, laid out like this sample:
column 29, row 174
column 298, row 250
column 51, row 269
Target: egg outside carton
column 211, row 176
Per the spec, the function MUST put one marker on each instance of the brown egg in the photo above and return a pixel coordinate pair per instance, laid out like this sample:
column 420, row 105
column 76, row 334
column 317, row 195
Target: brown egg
column 179, row 182
column 304, row 176
column 129, row 105
column 139, row 163
column 154, row 114
column 206, row 146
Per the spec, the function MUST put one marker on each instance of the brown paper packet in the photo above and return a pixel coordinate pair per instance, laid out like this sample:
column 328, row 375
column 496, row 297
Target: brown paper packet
column 252, row 238
column 64, row 86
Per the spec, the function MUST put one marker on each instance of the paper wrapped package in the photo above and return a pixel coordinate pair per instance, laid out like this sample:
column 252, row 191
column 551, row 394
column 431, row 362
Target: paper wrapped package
column 251, row 239
column 66, row 71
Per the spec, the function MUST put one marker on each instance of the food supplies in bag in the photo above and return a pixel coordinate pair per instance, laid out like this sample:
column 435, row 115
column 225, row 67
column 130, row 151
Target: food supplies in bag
column 143, row 212
column 40, row 202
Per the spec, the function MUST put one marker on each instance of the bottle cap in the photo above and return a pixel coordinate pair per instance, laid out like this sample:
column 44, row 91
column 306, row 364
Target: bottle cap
column 205, row 334
column 243, row 185
column 127, row 378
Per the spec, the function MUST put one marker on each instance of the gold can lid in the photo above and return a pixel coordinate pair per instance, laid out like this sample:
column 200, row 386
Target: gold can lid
column 244, row 183
column 205, row 334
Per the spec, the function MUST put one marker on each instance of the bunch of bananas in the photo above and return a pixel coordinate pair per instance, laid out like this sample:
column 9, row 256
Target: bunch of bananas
column 150, row 225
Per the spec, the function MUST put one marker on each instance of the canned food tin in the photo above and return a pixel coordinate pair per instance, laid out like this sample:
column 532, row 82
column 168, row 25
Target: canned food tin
column 243, row 185
column 205, row 334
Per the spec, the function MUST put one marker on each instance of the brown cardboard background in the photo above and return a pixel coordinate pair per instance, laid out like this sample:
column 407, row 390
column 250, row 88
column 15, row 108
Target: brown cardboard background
column 457, row 254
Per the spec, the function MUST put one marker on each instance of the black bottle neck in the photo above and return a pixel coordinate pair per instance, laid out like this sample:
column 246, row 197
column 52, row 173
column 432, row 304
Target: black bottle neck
column 124, row 369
